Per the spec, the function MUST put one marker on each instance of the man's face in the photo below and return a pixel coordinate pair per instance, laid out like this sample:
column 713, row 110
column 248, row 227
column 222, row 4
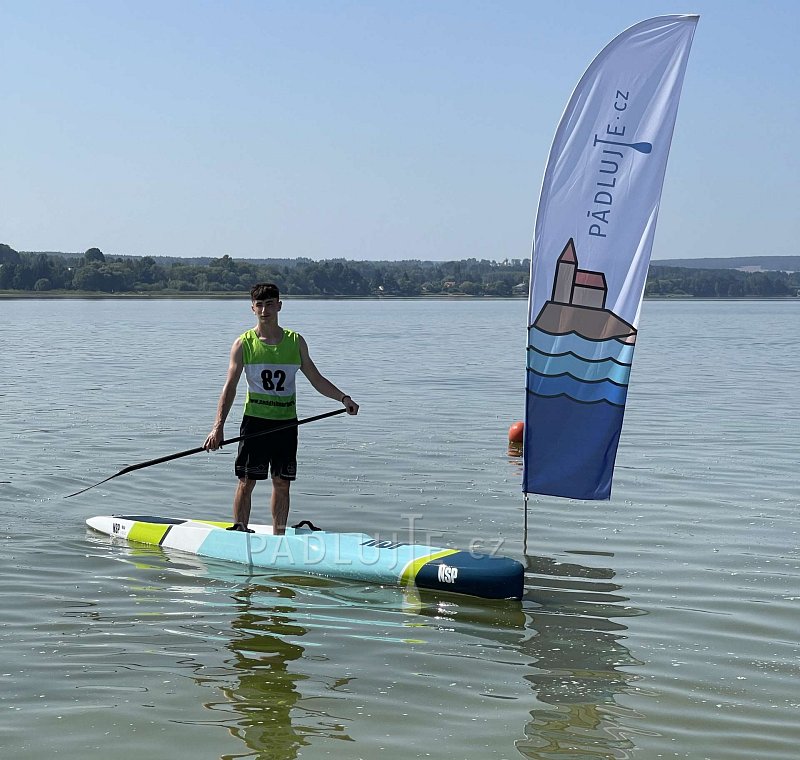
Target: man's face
column 266, row 308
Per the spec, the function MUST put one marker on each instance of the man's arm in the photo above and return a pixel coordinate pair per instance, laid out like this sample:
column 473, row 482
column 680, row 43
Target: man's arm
column 235, row 367
column 320, row 383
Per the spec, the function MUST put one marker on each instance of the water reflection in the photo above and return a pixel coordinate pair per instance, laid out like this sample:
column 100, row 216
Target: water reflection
column 570, row 632
column 265, row 690
column 282, row 684
column 580, row 662
column 272, row 720
column 260, row 666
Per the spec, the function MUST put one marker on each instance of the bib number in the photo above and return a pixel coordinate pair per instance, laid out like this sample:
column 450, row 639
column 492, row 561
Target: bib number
column 273, row 381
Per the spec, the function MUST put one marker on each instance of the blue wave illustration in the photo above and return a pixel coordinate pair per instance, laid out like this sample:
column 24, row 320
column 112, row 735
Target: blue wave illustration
column 580, row 369
column 572, row 343
column 573, row 452
column 587, row 392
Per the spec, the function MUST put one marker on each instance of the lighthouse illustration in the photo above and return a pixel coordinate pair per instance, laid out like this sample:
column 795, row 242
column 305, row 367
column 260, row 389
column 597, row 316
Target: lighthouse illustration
column 578, row 286
column 578, row 304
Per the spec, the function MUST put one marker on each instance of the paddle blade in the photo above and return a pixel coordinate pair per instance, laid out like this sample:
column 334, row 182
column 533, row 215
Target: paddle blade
column 88, row 488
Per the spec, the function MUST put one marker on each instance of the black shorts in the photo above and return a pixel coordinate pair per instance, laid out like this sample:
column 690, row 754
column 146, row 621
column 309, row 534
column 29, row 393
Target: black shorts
column 270, row 455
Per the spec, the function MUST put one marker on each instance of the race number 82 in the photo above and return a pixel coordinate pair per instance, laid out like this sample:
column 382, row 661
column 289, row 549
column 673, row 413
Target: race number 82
column 273, row 380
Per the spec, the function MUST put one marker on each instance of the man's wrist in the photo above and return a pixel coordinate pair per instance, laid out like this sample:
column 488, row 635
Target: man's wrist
column 341, row 400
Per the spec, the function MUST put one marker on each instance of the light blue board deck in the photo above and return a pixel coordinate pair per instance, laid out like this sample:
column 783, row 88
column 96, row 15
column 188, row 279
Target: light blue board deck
column 354, row 556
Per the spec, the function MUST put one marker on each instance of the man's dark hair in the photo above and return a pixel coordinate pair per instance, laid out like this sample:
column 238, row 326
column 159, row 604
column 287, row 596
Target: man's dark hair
column 263, row 291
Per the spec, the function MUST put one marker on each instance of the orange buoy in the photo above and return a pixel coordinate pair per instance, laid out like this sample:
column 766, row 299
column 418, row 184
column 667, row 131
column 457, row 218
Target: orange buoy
column 515, row 433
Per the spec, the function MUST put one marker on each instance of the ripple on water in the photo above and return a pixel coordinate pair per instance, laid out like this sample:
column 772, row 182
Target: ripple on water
column 661, row 623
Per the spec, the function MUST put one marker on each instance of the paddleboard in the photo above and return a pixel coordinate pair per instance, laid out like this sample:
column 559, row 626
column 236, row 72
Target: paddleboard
column 354, row 556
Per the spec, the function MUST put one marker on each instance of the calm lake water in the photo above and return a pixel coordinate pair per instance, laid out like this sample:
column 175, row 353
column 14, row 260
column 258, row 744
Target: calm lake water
column 663, row 623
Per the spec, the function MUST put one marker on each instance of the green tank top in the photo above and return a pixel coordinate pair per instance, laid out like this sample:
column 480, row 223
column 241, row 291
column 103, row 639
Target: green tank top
column 270, row 372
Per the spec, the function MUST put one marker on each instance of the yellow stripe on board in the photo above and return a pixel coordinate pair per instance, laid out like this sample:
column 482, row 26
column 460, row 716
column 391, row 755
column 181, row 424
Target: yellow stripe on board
column 148, row 533
column 410, row 571
column 215, row 523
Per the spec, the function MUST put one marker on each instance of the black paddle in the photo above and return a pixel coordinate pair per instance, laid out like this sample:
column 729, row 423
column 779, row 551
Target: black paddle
column 187, row 453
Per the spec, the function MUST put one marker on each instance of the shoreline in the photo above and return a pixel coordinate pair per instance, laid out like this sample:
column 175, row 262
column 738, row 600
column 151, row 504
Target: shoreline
column 25, row 295
column 91, row 295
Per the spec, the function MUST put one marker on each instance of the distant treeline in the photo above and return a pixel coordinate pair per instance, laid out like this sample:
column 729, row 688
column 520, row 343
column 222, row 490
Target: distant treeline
column 747, row 263
column 720, row 283
column 93, row 272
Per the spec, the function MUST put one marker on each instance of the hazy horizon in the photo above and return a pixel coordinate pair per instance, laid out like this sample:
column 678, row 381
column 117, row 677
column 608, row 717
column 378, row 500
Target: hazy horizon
column 391, row 131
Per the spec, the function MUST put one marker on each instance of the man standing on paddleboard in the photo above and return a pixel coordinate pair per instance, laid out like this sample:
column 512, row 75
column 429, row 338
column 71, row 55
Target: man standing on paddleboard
column 270, row 356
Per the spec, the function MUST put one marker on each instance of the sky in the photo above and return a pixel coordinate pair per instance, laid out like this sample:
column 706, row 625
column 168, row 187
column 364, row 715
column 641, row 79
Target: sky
column 382, row 130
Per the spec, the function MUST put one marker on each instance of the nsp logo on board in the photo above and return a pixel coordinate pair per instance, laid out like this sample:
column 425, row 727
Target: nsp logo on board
column 447, row 574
